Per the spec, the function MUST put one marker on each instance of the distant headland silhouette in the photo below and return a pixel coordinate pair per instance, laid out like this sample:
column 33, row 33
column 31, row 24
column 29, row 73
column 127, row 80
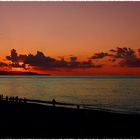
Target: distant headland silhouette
column 19, row 73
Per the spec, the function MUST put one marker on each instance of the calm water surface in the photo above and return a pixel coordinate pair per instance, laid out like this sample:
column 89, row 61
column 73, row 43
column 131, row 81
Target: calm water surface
column 117, row 93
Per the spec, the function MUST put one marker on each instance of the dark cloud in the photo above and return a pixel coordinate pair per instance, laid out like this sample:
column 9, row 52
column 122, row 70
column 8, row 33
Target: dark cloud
column 123, row 56
column 135, row 62
column 116, row 53
column 127, row 55
column 123, row 53
column 2, row 64
column 100, row 55
column 13, row 56
column 22, row 57
column 39, row 60
column 118, row 57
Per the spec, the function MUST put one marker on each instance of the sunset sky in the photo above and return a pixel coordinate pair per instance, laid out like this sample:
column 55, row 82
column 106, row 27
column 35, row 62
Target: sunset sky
column 64, row 29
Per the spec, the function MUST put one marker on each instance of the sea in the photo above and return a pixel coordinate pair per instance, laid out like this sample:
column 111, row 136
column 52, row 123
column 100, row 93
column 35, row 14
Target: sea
column 110, row 93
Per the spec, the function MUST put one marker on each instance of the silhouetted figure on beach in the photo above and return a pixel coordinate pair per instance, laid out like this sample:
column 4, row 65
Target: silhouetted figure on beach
column 53, row 102
column 13, row 99
column 16, row 99
column 10, row 99
column 25, row 101
column 6, row 98
column 20, row 100
column 1, row 97
column 78, row 106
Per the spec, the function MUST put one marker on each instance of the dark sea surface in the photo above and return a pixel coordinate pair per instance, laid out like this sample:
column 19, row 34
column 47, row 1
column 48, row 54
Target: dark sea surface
column 114, row 93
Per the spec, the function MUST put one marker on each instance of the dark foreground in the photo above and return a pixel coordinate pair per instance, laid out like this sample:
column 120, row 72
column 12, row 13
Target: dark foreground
column 26, row 120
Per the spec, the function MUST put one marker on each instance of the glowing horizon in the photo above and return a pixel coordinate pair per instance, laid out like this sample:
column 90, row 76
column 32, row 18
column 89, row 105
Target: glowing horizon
column 78, row 29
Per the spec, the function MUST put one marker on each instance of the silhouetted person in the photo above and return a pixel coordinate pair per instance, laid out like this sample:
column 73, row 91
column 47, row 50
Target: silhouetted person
column 25, row 100
column 10, row 99
column 53, row 102
column 20, row 100
column 0, row 97
column 13, row 99
column 6, row 98
column 16, row 99
column 78, row 106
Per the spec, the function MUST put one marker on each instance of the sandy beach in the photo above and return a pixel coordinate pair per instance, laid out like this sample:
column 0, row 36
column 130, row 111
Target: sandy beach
column 30, row 120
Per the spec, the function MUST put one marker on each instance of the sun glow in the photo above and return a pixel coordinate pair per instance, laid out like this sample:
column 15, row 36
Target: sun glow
column 18, row 69
column 21, row 63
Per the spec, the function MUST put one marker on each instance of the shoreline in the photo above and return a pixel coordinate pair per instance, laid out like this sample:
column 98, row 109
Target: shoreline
column 65, row 105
